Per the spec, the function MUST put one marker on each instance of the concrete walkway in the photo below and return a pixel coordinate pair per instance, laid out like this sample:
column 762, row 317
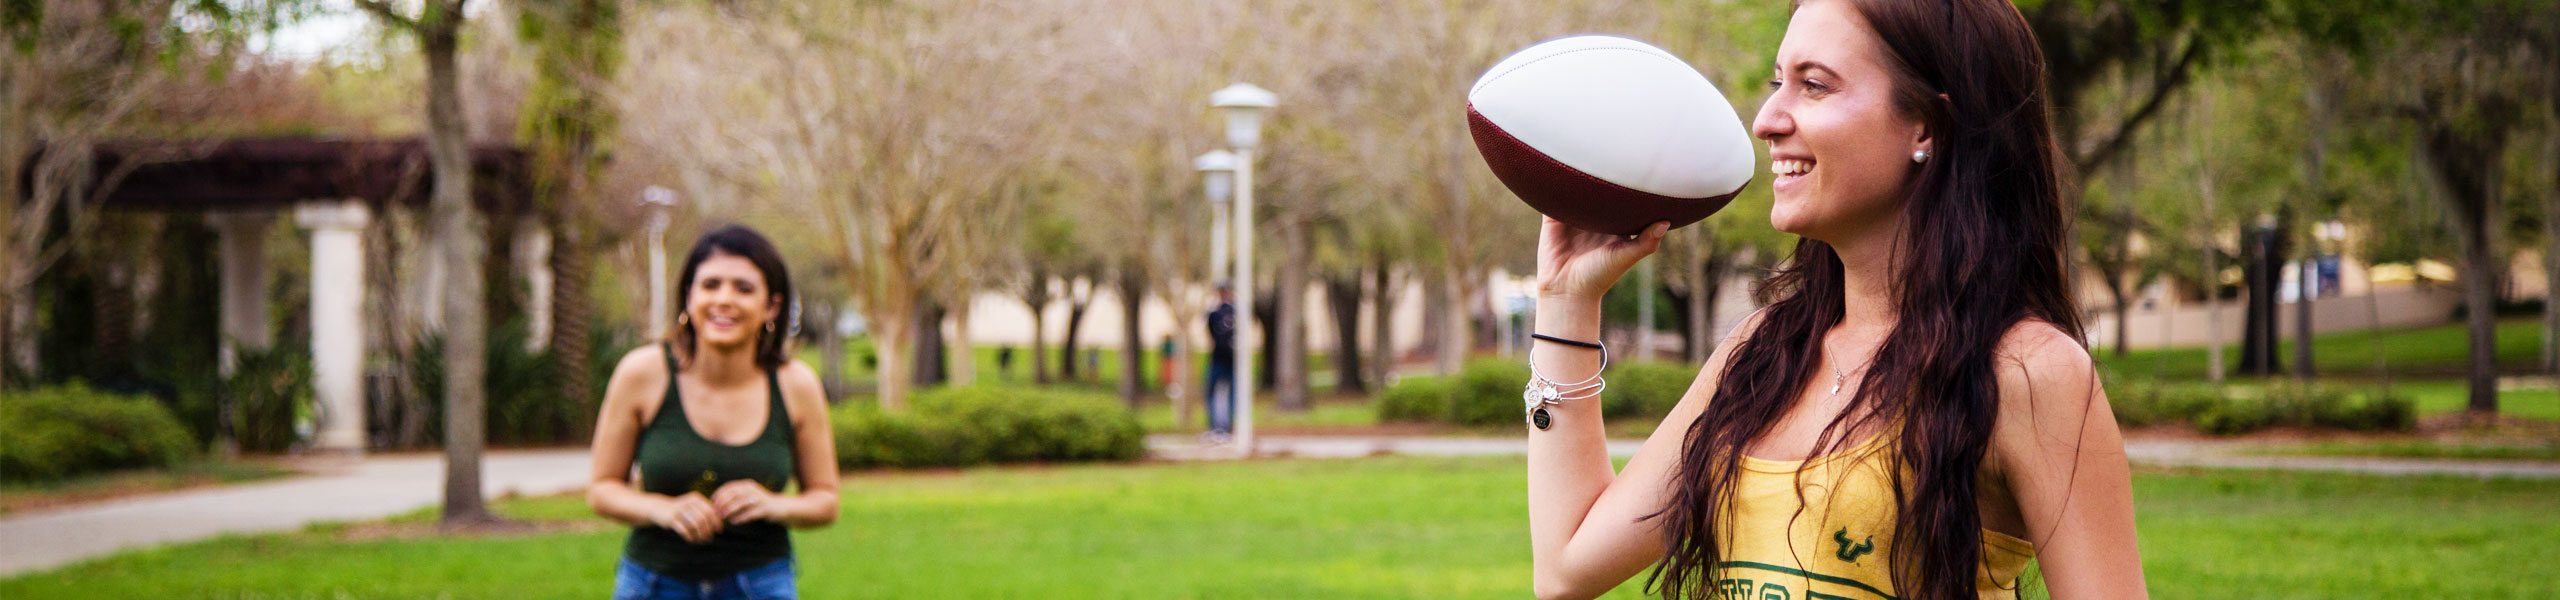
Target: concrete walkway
column 350, row 489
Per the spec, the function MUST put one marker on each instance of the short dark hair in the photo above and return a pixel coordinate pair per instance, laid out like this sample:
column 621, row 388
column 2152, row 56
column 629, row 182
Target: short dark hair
column 742, row 242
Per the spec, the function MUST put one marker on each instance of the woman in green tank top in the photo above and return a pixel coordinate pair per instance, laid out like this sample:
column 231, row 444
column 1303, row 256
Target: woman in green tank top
column 701, row 436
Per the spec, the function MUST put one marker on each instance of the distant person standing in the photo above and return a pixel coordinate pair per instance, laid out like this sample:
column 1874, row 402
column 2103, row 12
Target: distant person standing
column 1004, row 361
column 1218, row 390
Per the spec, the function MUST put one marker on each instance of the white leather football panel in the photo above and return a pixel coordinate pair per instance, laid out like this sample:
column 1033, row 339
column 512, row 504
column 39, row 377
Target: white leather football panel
column 1622, row 111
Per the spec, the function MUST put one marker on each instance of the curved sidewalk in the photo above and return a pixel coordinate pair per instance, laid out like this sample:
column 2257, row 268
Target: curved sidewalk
column 349, row 489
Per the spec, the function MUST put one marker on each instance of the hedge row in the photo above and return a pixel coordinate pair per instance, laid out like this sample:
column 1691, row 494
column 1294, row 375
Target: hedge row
column 50, row 433
column 1487, row 392
column 2140, row 402
column 963, row 426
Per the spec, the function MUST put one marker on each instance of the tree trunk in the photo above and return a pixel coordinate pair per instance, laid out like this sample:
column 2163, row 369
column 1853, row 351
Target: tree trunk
column 1292, row 359
column 2465, row 177
column 2258, row 330
column 2551, row 252
column 1133, row 346
column 2310, row 280
column 1342, row 293
column 1435, row 326
column 1076, row 304
column 964, row 361
column 17, row 335
column 465, row 325
column 895, row 331
column 1265, row 310
column 572, row 310
column 2212, row 251
column 930, row 365
column 1382, row 304
column 1703, row 298
column 830, row 350
column 567, row 133
column 2479, row 294
column 1035, row 296
column 2122, row 308
column 1458, row 336
column 1039, row 345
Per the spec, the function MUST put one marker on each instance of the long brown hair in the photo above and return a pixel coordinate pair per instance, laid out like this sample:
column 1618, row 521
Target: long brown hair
column 1983, row 249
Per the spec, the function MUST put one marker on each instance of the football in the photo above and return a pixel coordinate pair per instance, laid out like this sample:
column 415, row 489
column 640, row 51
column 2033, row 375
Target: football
column 1609, row 134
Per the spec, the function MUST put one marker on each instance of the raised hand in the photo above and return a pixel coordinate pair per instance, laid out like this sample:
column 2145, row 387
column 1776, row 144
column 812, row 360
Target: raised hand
column 1581, row 265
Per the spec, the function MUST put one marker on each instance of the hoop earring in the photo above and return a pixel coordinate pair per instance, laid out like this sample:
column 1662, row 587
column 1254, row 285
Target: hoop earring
column 1920, row 156
column 768, row 326
column 684, row 318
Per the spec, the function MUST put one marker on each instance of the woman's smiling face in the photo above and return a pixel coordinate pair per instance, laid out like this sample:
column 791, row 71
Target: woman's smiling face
column 728, row 301
column 1840, row 148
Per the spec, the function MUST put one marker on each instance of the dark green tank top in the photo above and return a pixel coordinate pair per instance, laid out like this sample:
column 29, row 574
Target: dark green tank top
column 674, row 459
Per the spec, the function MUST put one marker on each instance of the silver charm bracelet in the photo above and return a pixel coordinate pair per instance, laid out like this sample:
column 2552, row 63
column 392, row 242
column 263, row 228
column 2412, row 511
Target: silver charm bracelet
column 1542, row 392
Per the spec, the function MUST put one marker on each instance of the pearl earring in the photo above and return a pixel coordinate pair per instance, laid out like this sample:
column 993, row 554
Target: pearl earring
column 1920, row 156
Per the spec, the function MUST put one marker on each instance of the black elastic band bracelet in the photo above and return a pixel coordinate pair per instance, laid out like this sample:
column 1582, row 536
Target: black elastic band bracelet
column 1576, row 344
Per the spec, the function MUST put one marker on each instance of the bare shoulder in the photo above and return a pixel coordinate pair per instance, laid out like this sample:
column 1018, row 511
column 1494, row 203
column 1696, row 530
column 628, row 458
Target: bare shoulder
column 643, row 368
column 2035, row 356
column 2050, row 394
column 647, row 361
column 801, row 390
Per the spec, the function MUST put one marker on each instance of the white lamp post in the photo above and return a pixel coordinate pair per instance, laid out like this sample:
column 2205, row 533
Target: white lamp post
column 658, row 201
column 1217, row 178
column 1243, row 104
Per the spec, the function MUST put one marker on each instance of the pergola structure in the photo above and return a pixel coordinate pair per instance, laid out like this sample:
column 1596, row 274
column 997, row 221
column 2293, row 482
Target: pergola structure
column 332, row 187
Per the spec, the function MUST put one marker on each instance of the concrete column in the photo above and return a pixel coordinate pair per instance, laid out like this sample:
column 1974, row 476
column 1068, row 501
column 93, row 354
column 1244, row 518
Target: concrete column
column 533, row 258
column 337, row 321
column 243, row 244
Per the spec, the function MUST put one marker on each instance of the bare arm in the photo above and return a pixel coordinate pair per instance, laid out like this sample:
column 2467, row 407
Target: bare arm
column 813, row 449
column 2063, row 456
column 609, row 487
column 1587, row 532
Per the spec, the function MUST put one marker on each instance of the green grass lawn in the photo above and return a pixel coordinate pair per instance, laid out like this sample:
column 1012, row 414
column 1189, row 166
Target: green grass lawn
column 1409, row 527
column 2442, row 396
column 2547, row 449
column 2438, row 351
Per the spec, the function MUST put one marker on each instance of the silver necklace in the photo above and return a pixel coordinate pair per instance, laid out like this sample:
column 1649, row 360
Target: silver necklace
column 1839, row 377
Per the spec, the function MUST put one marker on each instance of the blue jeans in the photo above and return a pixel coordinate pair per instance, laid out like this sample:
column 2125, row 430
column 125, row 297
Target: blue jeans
column 1219, row 392
column 775, row 581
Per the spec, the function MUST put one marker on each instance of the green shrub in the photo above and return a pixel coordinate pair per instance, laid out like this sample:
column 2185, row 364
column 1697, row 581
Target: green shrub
column 963, row 426
column 521, row 387
column 2142, row 402
column 2236, row 416
column 50, row 433
column 1414, row 399
column 1487, row 392
column 269, row 390
column 1646, row 389
column 2333, row 408
column 2145, row 402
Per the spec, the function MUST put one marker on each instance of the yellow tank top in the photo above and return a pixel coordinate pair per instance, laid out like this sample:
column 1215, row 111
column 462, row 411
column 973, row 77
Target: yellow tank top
column 1836, row 546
